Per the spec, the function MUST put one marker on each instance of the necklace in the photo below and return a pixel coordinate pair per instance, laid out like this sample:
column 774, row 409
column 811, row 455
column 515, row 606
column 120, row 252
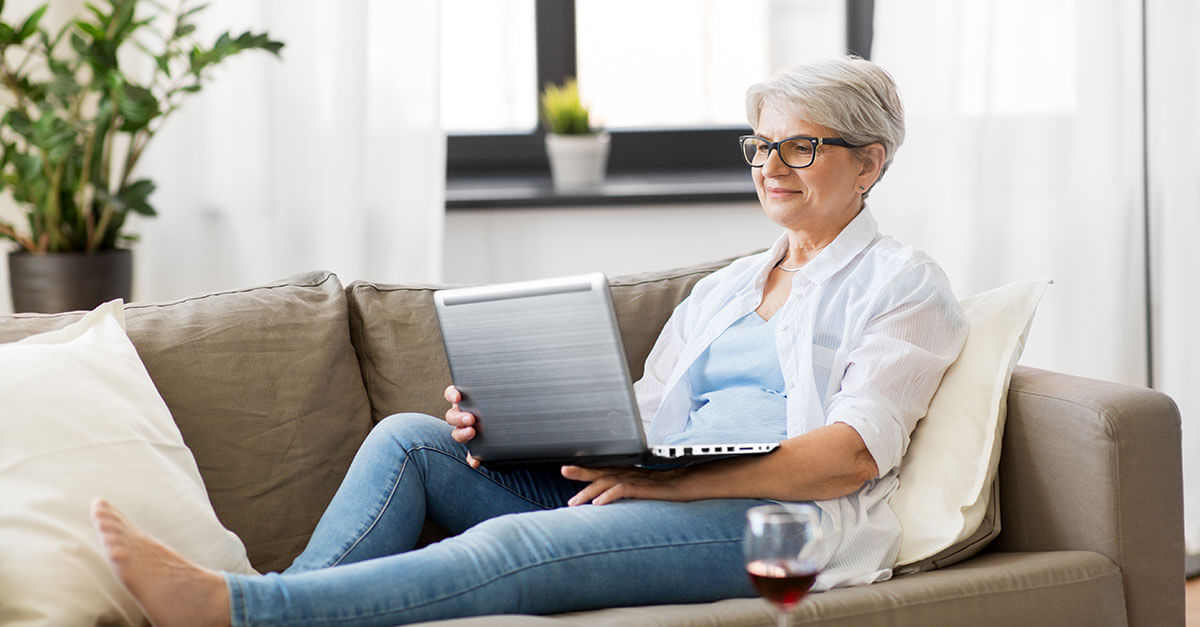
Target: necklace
column 787, row 269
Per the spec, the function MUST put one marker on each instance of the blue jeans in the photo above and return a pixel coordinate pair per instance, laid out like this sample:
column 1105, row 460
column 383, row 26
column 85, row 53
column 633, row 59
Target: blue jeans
column 516, row 548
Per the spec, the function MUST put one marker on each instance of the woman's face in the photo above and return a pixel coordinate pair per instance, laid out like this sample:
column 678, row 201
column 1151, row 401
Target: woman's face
column 826, row 194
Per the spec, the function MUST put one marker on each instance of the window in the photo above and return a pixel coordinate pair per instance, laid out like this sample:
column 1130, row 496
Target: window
column 652, row 70
column 686, row 64
column 490, row 62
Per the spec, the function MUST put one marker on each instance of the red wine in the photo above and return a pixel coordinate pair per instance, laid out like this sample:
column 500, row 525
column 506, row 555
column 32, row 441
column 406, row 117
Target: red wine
column 782, row 582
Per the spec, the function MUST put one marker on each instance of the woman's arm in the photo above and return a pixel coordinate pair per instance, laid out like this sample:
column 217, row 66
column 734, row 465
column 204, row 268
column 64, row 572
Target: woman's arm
column 891, row 375
column 824, row 463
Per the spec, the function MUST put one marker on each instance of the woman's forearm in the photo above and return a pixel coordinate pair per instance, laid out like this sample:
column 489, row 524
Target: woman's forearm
column 825, row 463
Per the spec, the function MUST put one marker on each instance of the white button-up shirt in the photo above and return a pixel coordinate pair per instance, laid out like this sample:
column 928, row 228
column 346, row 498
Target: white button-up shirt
column 867, row 332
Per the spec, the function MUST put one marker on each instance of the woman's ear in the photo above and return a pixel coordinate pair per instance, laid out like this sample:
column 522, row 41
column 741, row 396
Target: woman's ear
column 872, row 157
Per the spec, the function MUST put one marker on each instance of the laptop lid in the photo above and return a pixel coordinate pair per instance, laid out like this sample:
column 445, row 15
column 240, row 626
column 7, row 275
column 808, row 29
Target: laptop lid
column 542, row 364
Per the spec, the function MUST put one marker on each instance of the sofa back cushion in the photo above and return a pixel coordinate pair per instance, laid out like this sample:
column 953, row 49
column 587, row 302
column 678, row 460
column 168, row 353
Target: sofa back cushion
column 266, row 391
column 396, row 335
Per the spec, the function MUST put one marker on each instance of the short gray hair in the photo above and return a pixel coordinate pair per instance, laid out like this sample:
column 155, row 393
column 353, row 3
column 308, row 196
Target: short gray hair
column 854, row 97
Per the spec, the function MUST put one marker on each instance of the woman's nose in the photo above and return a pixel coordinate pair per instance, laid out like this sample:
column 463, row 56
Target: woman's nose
column 775, row 165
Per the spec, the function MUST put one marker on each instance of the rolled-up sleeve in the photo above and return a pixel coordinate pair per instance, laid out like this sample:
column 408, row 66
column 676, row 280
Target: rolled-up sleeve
column 893, row 370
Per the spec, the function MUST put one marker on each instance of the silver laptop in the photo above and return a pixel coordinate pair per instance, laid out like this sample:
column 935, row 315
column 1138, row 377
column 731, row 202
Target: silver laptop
column 542, row 365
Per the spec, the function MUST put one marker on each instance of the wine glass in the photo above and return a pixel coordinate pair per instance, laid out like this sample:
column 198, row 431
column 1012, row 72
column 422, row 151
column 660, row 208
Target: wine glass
column 782, row 552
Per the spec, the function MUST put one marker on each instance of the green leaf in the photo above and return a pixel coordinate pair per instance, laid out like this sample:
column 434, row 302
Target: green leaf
column 19, row 123
column 64, row 87
column 133, row 197
column 123, row 18
column 164, row 64
column 92, row 30
column 194, row 10
column 137, row 107
column 101, row 16
column 31, row 23
column 7, row 35
column 80, row 46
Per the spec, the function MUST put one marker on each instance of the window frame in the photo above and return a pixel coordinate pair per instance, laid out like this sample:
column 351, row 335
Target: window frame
column 473, row 155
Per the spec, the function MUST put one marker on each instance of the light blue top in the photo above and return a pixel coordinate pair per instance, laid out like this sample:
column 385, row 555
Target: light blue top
column 737, row 388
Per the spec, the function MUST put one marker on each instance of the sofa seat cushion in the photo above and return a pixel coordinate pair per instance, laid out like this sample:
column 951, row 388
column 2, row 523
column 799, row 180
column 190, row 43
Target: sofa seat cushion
column 265, row 388
column 1047, row 588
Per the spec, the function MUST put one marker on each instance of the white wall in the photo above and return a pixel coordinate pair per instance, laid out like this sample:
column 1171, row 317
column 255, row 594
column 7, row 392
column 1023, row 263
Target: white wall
column 490, row 245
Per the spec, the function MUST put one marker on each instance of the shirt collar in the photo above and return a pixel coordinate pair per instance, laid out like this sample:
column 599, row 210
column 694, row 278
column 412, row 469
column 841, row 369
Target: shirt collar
column 853, row 239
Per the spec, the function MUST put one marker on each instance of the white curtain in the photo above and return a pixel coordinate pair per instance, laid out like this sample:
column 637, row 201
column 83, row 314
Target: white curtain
column 1024, row 159
column 330, row 158
column 1173, row 76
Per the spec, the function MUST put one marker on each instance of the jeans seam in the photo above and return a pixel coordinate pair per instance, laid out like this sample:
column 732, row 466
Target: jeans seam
column 514, row 571
column 486, row 476
column 378, row 516
column 236, row 592
column 396, row 484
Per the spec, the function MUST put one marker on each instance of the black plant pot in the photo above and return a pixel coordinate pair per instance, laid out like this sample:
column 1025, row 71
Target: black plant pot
column 57, row 282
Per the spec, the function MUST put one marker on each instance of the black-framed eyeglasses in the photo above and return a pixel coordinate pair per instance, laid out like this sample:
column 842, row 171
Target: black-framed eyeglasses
column 795, row 152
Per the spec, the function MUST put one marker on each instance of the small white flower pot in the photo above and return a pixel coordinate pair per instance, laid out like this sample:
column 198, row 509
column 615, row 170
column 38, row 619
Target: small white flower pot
column 577, row 162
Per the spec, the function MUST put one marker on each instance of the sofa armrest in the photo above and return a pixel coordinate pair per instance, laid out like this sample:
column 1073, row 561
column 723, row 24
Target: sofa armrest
column 1092, row 465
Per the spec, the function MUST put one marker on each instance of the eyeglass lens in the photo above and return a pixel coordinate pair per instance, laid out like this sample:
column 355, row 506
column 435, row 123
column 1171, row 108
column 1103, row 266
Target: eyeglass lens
column 796, row 153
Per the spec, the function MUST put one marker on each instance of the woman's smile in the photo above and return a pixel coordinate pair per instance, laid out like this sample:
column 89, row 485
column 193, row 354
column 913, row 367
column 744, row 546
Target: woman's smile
column 781, row 192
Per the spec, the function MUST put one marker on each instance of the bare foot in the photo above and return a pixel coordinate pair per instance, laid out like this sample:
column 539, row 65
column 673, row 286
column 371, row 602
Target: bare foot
column 171, row 589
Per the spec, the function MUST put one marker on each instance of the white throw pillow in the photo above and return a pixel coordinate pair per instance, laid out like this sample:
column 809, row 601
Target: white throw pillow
column 947, row 474
column 80, row 418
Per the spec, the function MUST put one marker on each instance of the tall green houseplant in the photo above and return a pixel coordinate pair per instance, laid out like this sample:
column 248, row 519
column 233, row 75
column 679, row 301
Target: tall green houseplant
column 66, row 101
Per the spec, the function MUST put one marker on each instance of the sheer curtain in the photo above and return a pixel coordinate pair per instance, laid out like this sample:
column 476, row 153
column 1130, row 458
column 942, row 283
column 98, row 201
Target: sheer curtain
column 1024, row 160
column 1173, row 76
column 329, row 159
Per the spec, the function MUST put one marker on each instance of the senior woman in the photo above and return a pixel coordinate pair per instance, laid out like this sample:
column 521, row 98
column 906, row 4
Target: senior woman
column 831, row 342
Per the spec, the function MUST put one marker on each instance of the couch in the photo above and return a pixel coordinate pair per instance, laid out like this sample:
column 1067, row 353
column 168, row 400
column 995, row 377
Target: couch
column 273, row 388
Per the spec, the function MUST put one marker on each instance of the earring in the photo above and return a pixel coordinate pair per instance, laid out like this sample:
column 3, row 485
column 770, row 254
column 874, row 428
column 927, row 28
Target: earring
column 861, row 188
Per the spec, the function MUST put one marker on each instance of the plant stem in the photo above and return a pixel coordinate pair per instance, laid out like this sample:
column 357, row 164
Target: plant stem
column 106, row 153
column 98, row 236
column 10, row 81
column 7, row 230
column 54, row 207
column 86, row 188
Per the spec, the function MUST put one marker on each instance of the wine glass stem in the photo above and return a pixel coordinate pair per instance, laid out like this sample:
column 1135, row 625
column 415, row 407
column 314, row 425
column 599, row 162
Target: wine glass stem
column 783, row 618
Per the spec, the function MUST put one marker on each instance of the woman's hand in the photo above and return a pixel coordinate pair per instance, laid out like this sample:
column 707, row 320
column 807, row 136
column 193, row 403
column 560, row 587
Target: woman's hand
column 611, row 484
column 463, row 422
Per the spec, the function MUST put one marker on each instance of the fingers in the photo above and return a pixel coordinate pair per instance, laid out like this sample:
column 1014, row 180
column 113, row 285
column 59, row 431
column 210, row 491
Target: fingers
column 579, row 473
column 590, row 493
column 605, row 485
column 463, row 435
column 463, row 422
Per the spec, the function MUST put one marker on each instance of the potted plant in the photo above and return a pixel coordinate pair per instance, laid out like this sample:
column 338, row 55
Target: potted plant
column 578, row 153
column 74, row 125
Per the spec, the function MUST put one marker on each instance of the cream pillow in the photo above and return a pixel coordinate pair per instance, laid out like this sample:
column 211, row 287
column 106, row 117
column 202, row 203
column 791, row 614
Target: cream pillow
column 946, row 502
column 80, row 418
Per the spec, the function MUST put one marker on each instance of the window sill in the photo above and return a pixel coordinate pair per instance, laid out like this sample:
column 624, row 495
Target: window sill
column 527, row 190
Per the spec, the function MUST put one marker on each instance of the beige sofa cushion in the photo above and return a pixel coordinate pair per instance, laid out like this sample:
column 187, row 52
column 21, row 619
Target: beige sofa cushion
column 107, row 433
column 266, row 391
column 1051, row 588
column 395, row 332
